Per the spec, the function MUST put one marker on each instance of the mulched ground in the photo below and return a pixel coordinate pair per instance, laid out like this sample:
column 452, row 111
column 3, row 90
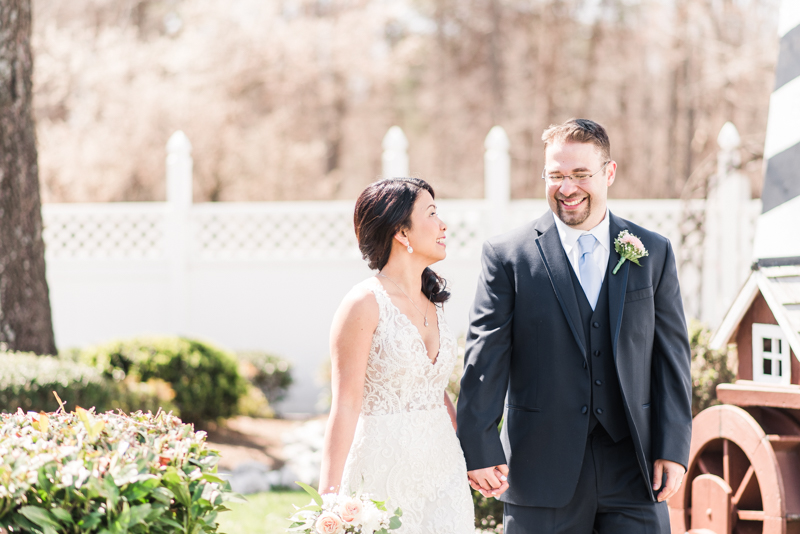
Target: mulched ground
column 247, row 439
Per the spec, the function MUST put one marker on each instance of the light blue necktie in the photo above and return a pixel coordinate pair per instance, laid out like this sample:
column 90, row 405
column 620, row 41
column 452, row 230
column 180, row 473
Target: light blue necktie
column 590, row 274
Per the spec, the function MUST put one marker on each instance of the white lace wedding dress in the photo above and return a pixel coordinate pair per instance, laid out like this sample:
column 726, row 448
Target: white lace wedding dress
column 405, row 449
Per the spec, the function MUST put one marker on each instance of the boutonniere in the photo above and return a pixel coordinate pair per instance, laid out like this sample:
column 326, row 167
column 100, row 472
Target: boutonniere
column 630, row 248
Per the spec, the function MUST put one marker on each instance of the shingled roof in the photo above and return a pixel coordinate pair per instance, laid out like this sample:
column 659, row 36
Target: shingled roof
column 778, row 279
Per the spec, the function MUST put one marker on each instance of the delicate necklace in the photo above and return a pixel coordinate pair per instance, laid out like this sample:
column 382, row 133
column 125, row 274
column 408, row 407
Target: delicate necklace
column 424, row 315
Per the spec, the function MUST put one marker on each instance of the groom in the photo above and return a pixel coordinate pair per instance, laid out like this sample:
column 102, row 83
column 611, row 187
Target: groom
column 588, row 367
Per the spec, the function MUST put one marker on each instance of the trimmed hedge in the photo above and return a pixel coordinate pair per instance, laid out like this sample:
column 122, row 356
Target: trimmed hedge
column 63, row 473
column 27, row 381
column 205, row 379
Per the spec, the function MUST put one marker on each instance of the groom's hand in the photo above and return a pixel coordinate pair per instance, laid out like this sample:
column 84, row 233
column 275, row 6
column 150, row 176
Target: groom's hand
column 673, row 472
column 490, row 481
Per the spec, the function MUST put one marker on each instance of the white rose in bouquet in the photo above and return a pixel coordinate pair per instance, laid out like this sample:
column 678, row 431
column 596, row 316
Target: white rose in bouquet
column 371, row 518
column 351, row 510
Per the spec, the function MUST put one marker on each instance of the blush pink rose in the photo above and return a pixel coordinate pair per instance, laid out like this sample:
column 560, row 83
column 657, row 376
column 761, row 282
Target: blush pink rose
column 328, row 523
column 351, row 510
column 633, row 240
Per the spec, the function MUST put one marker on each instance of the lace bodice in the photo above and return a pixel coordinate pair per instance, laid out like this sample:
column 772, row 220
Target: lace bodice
column 400, row 375
column 405, row 449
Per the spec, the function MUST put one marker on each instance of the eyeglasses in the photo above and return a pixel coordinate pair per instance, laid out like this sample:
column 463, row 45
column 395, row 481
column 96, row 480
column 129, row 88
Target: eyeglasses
column 577, row 178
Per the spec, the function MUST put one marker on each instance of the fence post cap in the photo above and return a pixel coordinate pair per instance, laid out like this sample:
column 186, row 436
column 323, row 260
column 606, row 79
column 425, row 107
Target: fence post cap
column 179, row 144
column 729, row 138
column 395, row 139
column 497, row 139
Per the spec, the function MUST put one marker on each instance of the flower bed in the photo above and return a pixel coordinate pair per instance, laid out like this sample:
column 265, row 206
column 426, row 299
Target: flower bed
column 112, row 473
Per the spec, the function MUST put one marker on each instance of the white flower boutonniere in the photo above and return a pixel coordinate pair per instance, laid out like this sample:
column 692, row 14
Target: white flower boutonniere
column 630, row 248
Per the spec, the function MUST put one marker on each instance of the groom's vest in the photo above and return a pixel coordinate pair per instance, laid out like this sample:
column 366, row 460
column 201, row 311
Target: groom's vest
column 606, row 402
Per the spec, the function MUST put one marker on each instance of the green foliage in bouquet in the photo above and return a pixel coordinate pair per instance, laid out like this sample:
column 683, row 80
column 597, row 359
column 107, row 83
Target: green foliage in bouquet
column 81, row 472
column 205, row 379
column 709, row 368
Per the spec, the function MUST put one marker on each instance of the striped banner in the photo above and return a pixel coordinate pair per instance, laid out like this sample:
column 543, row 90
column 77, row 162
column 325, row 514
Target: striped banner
column 782, row 146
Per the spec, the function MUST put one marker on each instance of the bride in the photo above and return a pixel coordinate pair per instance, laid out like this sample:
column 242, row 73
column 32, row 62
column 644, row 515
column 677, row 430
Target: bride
column 391, row 427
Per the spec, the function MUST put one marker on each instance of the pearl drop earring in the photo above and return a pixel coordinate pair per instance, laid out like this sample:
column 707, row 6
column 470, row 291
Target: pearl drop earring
column 409, row 249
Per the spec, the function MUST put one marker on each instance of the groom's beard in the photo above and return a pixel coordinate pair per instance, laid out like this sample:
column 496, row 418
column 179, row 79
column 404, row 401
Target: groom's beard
column 577, row 217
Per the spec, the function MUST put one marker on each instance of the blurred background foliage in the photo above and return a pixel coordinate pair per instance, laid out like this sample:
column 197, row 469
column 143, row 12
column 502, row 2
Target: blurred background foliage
column 197, row 381
column 289, row 99
column 709, row 367
column 205, row 378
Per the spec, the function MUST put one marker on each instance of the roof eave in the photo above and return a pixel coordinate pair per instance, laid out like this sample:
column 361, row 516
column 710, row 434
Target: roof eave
column 777, row 311
column 736, row 312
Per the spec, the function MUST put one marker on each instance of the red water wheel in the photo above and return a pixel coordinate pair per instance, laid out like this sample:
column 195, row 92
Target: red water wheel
column 743, row 475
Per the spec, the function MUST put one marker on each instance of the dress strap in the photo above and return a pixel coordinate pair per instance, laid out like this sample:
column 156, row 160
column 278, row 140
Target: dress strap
column 384, row 302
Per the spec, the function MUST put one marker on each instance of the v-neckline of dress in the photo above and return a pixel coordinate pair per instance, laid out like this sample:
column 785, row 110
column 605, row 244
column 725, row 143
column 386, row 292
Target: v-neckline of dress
column 435, row 360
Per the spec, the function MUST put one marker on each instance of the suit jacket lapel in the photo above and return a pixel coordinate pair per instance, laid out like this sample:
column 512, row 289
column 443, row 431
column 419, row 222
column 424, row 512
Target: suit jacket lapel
column 556, row 263
column 618, row 283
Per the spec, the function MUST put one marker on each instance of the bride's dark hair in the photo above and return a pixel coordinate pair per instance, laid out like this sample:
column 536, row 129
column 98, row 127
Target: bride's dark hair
column 383, row 209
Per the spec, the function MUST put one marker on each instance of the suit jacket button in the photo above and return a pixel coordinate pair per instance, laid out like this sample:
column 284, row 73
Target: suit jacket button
column 584, row 409
column 598, row 382
column 596, row 324
column 597, row 353
column 599, row 411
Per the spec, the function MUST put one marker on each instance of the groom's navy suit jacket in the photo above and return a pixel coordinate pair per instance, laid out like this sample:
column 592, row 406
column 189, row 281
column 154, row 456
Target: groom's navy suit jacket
column 526, row 353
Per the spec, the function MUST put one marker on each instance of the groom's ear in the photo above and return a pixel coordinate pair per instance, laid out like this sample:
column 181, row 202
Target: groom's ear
column 611, row 170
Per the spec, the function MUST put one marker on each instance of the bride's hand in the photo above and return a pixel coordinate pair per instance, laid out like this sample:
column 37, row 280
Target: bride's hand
column 489, row 481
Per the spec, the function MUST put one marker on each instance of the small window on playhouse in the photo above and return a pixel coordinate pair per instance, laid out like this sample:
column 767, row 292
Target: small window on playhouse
column 771, row 363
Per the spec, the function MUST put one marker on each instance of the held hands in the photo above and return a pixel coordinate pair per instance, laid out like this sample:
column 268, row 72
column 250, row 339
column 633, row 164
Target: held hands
column 674, row 476
column 490, row 481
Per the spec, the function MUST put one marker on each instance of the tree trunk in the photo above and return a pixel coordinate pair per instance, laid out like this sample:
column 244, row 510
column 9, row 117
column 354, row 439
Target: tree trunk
column 25, row 321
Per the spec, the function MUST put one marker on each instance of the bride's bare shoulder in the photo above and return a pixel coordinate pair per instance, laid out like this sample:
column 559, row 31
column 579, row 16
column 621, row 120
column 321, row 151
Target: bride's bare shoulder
column 360, row 302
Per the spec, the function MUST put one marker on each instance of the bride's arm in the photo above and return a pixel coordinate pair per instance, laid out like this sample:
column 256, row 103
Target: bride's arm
column 451, row 410
column 351, row 337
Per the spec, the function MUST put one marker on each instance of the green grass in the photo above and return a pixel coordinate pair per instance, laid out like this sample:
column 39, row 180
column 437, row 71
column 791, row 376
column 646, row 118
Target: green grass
column 264, row 513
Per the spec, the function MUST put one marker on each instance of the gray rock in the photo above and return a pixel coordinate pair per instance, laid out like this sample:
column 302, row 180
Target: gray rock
column 251, row 477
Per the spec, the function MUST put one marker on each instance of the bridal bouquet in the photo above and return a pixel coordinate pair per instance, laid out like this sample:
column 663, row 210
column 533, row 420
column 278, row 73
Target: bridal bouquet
column 337, row 514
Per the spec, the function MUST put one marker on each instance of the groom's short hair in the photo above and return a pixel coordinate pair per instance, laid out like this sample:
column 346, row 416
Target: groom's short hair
column 579, row 131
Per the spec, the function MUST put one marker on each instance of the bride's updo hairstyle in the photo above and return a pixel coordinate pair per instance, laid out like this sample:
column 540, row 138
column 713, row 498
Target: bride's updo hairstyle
column 383, row 209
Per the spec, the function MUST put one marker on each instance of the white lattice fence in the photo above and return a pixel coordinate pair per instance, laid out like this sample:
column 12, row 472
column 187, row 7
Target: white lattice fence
column 273, row 231
column 123, row 231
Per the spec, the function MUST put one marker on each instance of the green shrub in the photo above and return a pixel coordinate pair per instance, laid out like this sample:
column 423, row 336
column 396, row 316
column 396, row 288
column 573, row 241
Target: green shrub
column 205, row 378
column 271, row 374
column 254, row 404
column 709, row 368
column 131, row 396
column 28, row 381
column 83, row 473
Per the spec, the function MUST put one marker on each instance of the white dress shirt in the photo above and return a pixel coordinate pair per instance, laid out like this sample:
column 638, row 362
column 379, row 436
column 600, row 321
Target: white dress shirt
column 602, row 248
